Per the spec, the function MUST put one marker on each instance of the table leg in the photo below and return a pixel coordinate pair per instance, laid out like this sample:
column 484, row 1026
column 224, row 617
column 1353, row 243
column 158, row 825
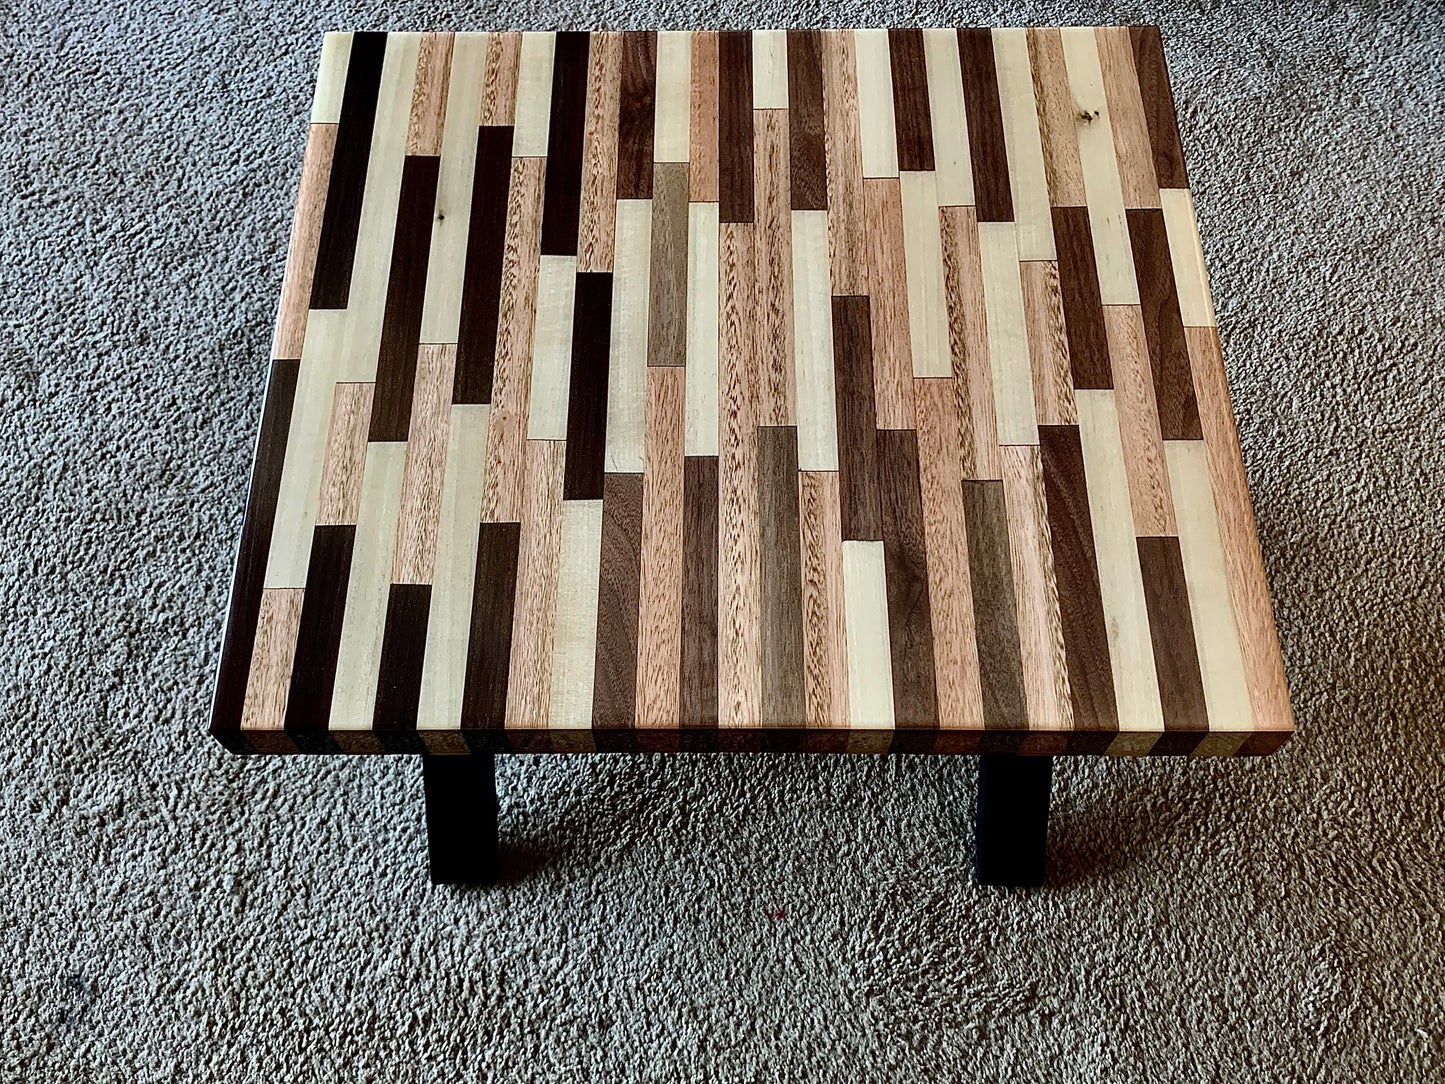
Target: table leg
column 461, row 818
column 1012, row 821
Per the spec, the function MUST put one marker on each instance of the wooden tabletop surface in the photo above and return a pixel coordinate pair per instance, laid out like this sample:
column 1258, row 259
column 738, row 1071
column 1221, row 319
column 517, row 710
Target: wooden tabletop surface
column 806, row 390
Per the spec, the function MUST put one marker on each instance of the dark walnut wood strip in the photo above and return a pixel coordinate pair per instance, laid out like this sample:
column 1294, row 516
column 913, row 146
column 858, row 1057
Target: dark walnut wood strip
column 1000, row 658
column 781, row 570
column 857, row 419
column 735, row 126
column 636, row 115
column 398, row 686
column 905, row 563
column 336, row 251
column 614, row 689
column 250, row 578
column 482, row 278
column 1076, row 572
column 807, row 129
column 986, row 148
column 699, row 591
column 489, row 641
column 667, row 305
column 318, row 637
column 912, row 115
column 1159, row 113
column 562, row 203
column 405, row 294
column 1163, row 327
column 1171, row 631
column 587, row 391
column 1083, row 308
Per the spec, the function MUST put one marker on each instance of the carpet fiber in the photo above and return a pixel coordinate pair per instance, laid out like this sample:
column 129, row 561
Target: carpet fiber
column 169, row 912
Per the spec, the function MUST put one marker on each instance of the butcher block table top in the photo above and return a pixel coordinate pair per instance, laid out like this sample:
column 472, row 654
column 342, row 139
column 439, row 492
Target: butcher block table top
column 799, row 390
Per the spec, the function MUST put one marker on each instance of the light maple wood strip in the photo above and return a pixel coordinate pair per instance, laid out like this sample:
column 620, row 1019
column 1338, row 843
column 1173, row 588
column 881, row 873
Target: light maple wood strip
column 770, row 69
column 1259, row 639
column 358, row 662
column 446, row 263
column 1121, row 584
column 659, row 634
column 847, row 231
column 533, row 118
column 817, row 408
column 774, row 252
column 305, row 236
column 1100, row 169
column 299, row 492
column 672, row 124
column 429, row 94
column 1196, row 306
column 703, row 132
column 331, row 78
column 426, row 458
column 1132, row 148
column 923, row 261
column 341, row 474
column 627, row 372
column 825, row 654
column 512, row 376
column 1139, row 421
column 444, row 664
column 499, row 91
column 702, row 329
column 529, row 679
column 574, row 635
column 552, row 348
column 1027, row 180
column 1056, row 118
column 269, row 681
column 1048, row 343
column 888, row 292
column 1008, row 343
column 950, row 591
column 1041, row 632
column 598, row 214
column 740, row 665
column 968, row 336
column 1216, row 634
column 876, row 124
column 870, row 671
column 951, row 161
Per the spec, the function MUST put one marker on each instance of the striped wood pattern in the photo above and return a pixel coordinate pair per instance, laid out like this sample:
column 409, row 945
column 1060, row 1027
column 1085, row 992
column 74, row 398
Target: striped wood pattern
column 818, row 390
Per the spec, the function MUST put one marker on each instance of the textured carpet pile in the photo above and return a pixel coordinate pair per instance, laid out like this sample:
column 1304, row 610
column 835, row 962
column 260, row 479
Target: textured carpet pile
column 169, row 912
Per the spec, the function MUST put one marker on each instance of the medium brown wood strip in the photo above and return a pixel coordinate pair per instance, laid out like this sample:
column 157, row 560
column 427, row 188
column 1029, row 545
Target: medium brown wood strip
column 1126, row 118
column 1171, row 630
column 636, row 114
column 305, row 237
column 1149, row 498
column 968, row 336
column 667, row 305
column 340, row 497
column 489, row 644
column 1259, row 640
column 660, row 594
column 269, row 680
column 857, row 421
column 985, row 126
column 614, row 689
column 703, row 119
column 905, row 562
column 1057, row 118
column 529, row 679
column 847, row 232
column 426, row 456
column 781, row 578
column 598, row 213
column 735, row 126
column 1083, row 309
column 499, row 90
column 774, row 252
column 700, row 592
column 913, row 117
column 888, row 291
column 1163, row 326
column 807, row 129
column 1000, row 658
column 825, row 656
column 1048, row 343
column 429, row 94
column 512, row 380
column 950, row 594
column 1158, row 99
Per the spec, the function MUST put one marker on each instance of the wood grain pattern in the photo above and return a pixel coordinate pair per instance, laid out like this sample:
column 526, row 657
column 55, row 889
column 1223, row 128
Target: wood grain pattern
column 844, row 390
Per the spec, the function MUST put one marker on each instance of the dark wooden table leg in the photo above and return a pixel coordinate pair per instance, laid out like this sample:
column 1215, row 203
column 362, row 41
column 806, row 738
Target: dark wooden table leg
column 461, row 818
column 1012, row 823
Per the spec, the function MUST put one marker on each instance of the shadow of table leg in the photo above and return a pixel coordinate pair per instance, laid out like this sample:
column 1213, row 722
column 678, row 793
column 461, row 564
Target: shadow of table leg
column 1012, row 821
column 461, row 818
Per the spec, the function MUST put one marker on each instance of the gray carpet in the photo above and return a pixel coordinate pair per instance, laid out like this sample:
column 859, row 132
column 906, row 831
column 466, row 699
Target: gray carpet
column 169, row 912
